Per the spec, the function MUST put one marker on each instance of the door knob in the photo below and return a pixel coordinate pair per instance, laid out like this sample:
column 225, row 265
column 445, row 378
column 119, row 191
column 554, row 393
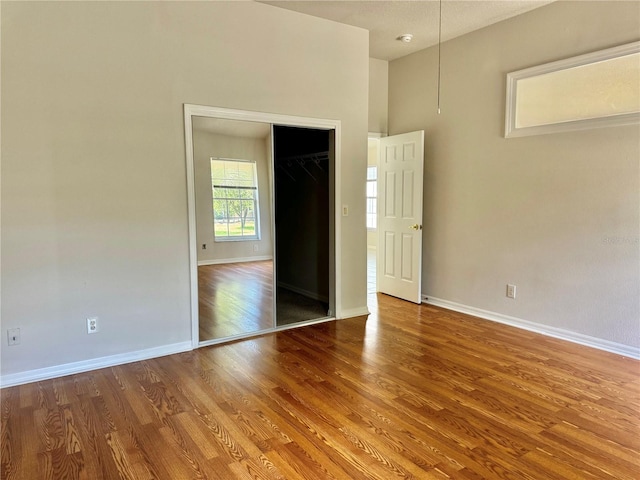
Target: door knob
column 416, row 227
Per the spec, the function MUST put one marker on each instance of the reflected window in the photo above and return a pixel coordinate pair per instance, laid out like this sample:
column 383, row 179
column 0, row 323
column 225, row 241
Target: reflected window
column 235, row 199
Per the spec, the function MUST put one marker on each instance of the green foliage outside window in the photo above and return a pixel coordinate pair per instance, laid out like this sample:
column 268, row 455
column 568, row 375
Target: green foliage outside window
column 235, row 195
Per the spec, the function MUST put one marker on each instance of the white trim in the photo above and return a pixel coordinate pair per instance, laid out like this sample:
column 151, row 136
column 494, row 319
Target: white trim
column 218, row 261
column 92, row 364
column 562, row 334
column 336, row 241
column 270, row 118
column 191, row 212
column 304, row 323
column 250, row 116
column 221, row 240
column 354, row 312
column 266, row 331
column 234, row 338
column 303, row 292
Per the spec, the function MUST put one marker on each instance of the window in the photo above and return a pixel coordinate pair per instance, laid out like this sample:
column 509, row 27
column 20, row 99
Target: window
column 372, row 197
column 235, row 199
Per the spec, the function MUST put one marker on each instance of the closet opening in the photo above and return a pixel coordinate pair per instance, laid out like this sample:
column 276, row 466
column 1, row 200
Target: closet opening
column 303, row 208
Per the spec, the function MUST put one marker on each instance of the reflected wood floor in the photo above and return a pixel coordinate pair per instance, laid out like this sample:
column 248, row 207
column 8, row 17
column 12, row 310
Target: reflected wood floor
column 412, row 392
column 235, row 298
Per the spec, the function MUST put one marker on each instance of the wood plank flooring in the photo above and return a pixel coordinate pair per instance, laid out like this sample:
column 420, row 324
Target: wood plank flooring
column 411, row 392
column 235, row 298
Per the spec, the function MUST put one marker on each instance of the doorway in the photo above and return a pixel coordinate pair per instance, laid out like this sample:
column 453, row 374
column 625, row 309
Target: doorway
column 372, row 217
column 260, row 249
column 394, row 216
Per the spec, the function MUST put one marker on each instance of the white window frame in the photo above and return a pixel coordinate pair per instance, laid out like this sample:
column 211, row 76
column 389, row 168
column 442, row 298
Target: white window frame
column 256, row 203
column 582, row 101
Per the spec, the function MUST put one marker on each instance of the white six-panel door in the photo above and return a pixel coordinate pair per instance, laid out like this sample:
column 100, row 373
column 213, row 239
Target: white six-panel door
column 399, row 251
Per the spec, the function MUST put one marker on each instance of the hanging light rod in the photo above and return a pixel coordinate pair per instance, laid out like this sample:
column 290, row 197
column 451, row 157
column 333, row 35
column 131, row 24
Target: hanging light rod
column 439, row 54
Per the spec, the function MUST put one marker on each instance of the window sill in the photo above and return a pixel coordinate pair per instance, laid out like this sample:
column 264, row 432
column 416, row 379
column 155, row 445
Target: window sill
column 236, row 239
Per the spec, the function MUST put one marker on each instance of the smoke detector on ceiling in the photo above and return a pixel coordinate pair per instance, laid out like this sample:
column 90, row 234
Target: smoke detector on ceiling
column 405, row 38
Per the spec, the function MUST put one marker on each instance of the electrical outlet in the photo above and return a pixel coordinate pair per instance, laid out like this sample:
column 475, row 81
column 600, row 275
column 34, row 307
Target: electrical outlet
column 13, row 336
column 345, row 210
column 511, row 291
column 255, row 247
column 92, row 325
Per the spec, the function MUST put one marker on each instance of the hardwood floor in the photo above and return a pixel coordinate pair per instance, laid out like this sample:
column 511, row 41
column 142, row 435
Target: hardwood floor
column 412, row 392
column 235, row 298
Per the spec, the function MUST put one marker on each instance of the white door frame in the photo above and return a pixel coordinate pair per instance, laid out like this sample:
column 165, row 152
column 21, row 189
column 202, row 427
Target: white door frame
column 271, row 118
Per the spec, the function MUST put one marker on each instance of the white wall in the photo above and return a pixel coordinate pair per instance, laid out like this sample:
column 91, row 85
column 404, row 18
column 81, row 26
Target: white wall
column 557, row 215
column 205, row 146
column 94, row 202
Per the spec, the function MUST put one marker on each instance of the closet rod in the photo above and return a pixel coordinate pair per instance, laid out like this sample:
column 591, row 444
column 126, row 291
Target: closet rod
column 324, row 156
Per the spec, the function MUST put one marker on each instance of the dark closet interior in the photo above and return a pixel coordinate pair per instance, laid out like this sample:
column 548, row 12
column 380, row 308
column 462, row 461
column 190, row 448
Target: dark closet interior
column 302, row 216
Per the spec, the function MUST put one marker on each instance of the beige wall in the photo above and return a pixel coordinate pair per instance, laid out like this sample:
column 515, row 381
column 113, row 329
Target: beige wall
column 378, row 95
column 378, row 116
column 557, row 215
column 94, row 201
column 205, row 146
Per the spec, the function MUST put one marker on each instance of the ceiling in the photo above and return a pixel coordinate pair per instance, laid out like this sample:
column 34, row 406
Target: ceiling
column 386, row 20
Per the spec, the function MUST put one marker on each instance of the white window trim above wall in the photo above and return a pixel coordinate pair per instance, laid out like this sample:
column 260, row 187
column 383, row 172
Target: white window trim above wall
column 581, row 105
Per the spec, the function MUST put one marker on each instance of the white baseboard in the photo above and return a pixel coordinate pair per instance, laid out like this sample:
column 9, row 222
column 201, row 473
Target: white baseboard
column 354, row 312
column 93, row 364
column 120, row 359
column 218, row 261
column 579, row 338
column 302, row 291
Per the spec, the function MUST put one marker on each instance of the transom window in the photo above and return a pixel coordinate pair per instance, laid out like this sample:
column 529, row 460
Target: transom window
column 372, row 197
column 235, row 199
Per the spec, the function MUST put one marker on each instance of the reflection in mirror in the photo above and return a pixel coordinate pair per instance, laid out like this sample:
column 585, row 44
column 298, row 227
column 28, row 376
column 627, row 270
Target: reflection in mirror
column 233, row 227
